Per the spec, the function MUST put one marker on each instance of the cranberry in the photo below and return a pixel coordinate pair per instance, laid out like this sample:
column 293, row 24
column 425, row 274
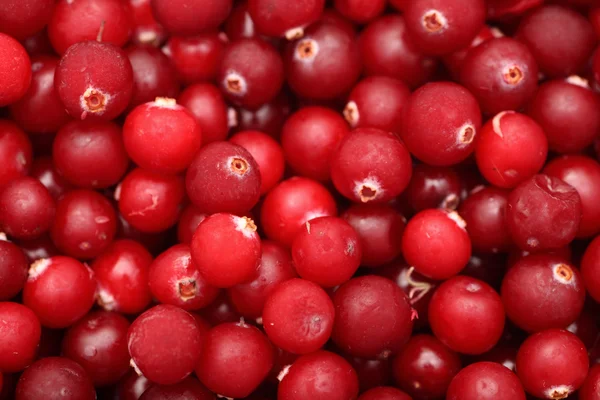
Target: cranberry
column 132, row 386
column 38, row 44
column 485, row 381
column 146, row 31
column 54, row 378
column 23, row 19
column 90, row 154
column 41, row 247
column 207, row 105
column 552, row 364
column 585, row 328
column 40, row 109
column 455, row 61
column 511, row 148
column 590, row 268
column 360, row 11
column 371, row 165
column 235, row 359
column 190, row 218
column 13, row 270
column 60, row 290
column 298, row 316
column 319, row 376
column 104, row 91
column 384, row 393
column 175, row 279
column 386, row 50
column 190, row 17
column 21, row 333
column 309, row 138
column 433, row 187
column 220, row 311
column 560, row 39
column 499, row 9
column 583, row 174
column 425, row 367
column 275, row 267
column 590, row 390
column 187, row 389
column 15, row 152
column 196, row 58
column 358, row 317
column 43, row 169
column 371, row 373
column 164, row 343
column 437, row 231
column 150, row 202
column 501, row 73
column 239, row 24
column 283, row 18
column 15, row 67
column 461, row 305
column 98, row 342
column 223, row 177
column 323, row 64
column 269, row 118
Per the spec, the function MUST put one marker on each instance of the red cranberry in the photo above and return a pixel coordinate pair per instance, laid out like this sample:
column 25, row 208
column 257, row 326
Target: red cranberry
column 384, row 393
column 190, row 17
column 175, row 279
column 206, row 103
column 15, row 152
column 190, row 218
column 298, row 316
column 235, row 359
column 98, row 342
column 371, row 165
column 306, row 378
column 196, row 58
column 499, row 9
column 560, row 39
column 13, row 270
column 360, row 11
column 223, row 177
column 41, row 247
column 188, row 389
column 132, row 386
column 38, row 44
column 60, row 290
column 501, row 73
column 90, row 154
column 283, row 18
column 150, row 202
column 269, row 118
column 437, row 231
column 590, row 269
column 552, row 364
column 220, row 311
column 146, row 31
column 239, row 24
column 371, row 373
column 511, row 148
column 43, row 169
column 21, row 333
column 590, row 390
column 16, row 69
column 55, row 378
column 357, row 317
column 433, row 187
column 485, row 381
column 455, row 61
column 275, row 267
column 22, row 19
column 104, row 91
column 585, row 328
column 461, row 305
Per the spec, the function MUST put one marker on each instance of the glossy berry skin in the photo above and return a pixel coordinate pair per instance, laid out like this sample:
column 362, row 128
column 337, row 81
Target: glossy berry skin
column 223, row 177
column 542, row 291
column 150, row 202
column 164, row 343
column 304, row 377
column 358, row 316
column 90, row 154
column 590, row 390
column 190, row 218
column 21, row 333
column 326, row 251
column 501, row 73
column 323, row 64
column 251, row 73
column 552, row 364
column 511, row 148
column 84, row 225
column 360, row 11
column 437, row 231
column 104, row 91
column 454, row 61
column 298, row 316
column 15, row 152
column 485, row 381
column 425, row 367
column 122, row 275
column 13, row 270
column 226, row 250
column 440, row 26
column 79, row 21
column 190, row 17
column 188, row 389
column 461, row 305
column 582, row 173
column 197, row 58
column 53, row 378
column 26, row 208
column 98, row 342
column 433, row 187
column 371, row 165
column 440, row 123
column 40, row 109
column 207, row 105
column 309, row 138
column 162, row 136
column 60, row 290
column 283, row 18
column 15, row 68
column 23, row 19
column 560, row 39
column 384, row 393
column 43, row 169
column 590, row 268
column 235, row 359
column 175, row 279
column 275, row 268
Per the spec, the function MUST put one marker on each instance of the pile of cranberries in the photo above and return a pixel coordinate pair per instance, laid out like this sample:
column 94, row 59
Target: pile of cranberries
column 299, row 199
